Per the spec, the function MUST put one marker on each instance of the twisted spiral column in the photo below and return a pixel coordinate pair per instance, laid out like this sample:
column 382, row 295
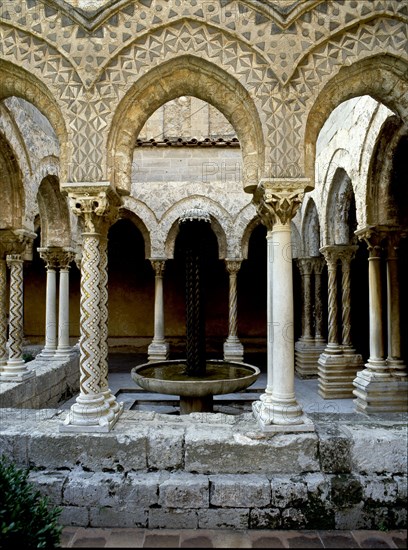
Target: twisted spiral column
column 346, row 257
column 306, row 268
column 233, row 349
column 331, row 256
column 3, row 313
column 318, row 266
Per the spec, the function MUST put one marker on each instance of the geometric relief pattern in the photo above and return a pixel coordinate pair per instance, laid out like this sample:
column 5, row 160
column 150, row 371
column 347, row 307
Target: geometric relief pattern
column 260, row 43
column 90, row 316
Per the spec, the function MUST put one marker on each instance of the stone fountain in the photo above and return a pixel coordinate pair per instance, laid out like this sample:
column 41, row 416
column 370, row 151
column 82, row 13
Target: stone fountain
column 196, row 379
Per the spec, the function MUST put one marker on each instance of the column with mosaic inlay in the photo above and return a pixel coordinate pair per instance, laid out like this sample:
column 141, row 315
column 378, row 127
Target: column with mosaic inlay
column 3, row 303
column 91, row 412
column 233, row 349
column 277, row 202
column 158, row 349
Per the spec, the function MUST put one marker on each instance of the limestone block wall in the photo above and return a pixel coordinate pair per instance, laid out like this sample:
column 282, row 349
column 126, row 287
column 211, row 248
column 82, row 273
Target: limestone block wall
column 216, row 471
column 53, row 383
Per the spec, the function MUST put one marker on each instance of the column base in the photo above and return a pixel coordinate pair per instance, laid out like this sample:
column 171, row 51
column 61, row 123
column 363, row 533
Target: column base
column 115, row 406
column 158, row 351
column 65, row 353
column 7, row 376
column 46, row 354
column 397, row 367
column 89, row 415
column 307, row 353
column 233, row 350
column 336, row 374
column 272, row 417
column 380, row 394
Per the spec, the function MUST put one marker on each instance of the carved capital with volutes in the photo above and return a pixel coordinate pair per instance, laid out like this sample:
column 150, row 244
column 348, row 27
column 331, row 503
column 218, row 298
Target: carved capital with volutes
column 15, row 241
column 50, row 255
column 277, row 200
column 305, row 266
column 96, row 204
column 233, row 266
column 373, row 237
column 159, row 265
column 318, row 264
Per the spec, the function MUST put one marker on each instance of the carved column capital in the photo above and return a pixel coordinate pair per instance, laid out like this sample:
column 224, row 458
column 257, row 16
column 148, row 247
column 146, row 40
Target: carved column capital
column 373, row 239
column 233, row 266
column 305, row 266
column 15, row 241
column 318, row 263
column 277, row 200
column 159, row 265
column 95, row 203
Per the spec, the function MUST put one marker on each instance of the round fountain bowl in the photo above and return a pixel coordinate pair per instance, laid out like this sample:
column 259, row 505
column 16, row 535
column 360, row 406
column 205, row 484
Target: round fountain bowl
column 168, row 377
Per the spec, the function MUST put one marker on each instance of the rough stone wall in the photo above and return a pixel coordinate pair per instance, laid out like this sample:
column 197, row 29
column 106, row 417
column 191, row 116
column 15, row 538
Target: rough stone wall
column 216, row 471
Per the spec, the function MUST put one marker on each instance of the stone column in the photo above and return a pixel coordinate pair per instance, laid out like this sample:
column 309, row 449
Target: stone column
column 277, row 203
column 318, row 266
column 305, row 364
column 394, row 361
column 338, row 364
column 331, row 255
column 158, row 350
column 233, row 349
column 376, row 389
column 115, row 407
column 15, row 369
column 64, row 349
column 3, row 311
column 91, row 412
column 50, row 255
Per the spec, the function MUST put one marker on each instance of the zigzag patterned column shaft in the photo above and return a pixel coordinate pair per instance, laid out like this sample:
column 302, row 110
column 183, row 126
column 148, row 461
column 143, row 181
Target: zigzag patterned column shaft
column 89, row 343
column 3, row 313
column 15, row 363
column 103, row 288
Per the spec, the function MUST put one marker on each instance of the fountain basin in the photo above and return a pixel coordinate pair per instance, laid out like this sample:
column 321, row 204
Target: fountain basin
column 195, row 393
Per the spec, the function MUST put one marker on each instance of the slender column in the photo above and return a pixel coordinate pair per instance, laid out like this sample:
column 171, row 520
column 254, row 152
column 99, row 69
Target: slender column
column 331, row 256
column 318, row 265
column 233, row 349
column 346, row 256
column 15, row 369
column 306, row 268
column 91, row 412
column 3, row 313
column 376, row 361
column 115, row 407
column 394, row 360
column 277, row 202
column 50, row 256
column 377, row 388
column 64, row 349
column 158, row 349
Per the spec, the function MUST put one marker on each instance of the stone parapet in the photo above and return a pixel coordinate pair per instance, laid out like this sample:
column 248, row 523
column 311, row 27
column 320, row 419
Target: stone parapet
column 216, row 471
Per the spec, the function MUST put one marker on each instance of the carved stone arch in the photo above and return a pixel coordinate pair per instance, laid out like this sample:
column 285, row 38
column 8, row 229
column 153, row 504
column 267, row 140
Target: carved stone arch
column 11, row 132
column 15, row 81
column 220, row 223
column 296, row 241
column 54, row 213
column 310, row 229
column 383, row 77
column 341, row 210
column 12, row 188
column 381, row 200
column 252, row 224
column 185, row 75
column 127, row 214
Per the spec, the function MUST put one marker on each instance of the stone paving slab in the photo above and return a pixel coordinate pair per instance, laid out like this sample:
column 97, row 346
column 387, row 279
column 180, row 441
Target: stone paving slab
column 203, row 538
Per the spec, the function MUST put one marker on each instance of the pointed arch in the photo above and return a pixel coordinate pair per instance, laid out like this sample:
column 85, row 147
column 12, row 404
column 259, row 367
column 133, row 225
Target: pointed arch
column 54, row 214
column 185, row 75
column 310, row 230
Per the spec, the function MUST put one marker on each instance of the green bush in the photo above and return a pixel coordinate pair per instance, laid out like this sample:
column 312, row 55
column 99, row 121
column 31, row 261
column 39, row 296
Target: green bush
column 26, row 518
